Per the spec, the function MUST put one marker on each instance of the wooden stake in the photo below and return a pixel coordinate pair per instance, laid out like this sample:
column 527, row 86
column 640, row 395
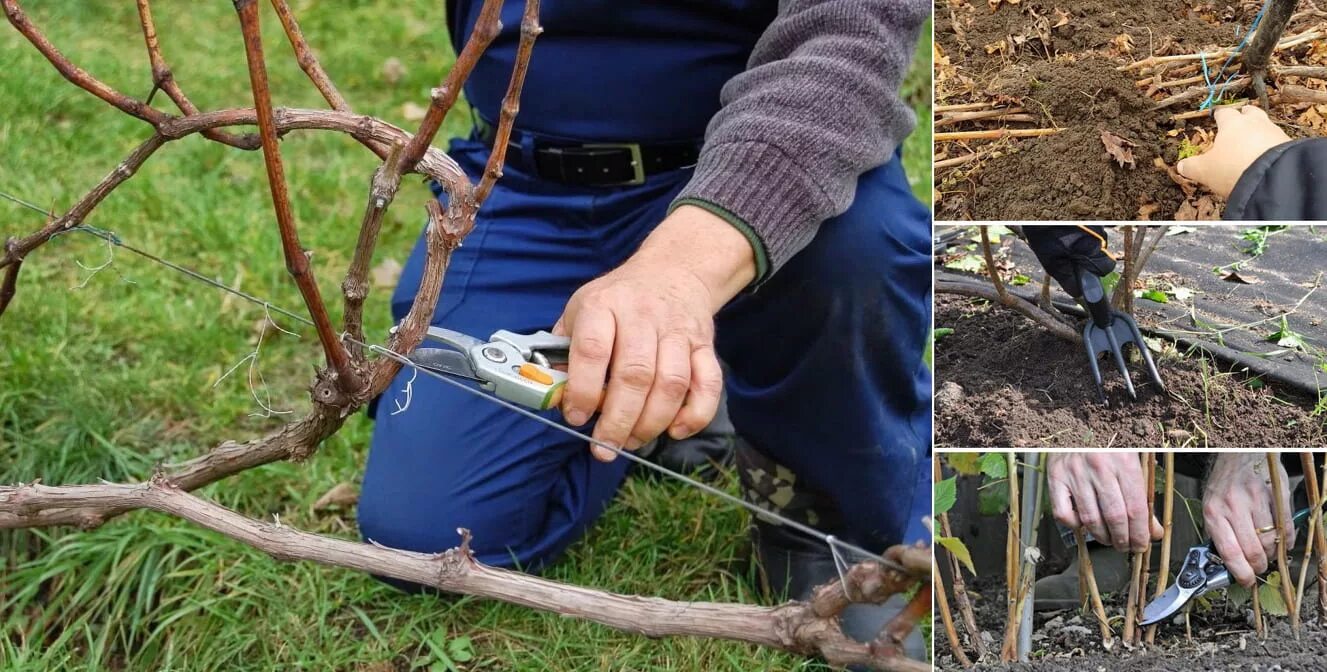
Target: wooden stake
column 961, row 600
column 1257, row 612
column 1013, row 558
column 1282, row 564
column 1167, row 523
column 1085, row 569
column 942, row 603
column 1149, row 471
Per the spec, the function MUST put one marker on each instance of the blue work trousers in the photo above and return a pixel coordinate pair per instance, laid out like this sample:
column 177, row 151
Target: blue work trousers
column 824, row 363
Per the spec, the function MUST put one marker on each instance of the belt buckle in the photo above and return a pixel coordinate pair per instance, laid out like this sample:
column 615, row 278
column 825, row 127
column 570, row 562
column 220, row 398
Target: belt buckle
column 637, row 164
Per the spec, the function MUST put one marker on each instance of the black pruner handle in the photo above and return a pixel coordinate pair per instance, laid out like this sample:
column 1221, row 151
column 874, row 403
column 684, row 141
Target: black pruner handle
column 1094, row 296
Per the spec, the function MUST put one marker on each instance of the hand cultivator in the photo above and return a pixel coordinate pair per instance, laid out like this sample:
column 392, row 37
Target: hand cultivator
column 1107, row 330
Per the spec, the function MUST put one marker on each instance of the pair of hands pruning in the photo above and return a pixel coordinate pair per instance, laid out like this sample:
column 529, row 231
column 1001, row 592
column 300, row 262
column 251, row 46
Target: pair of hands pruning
column 1106, row 494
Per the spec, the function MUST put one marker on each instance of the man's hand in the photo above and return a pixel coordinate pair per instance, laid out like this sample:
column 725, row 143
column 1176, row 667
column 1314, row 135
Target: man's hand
column 647, row 329
column 1104, row 492
column 1237, row 503
column 1242, row 135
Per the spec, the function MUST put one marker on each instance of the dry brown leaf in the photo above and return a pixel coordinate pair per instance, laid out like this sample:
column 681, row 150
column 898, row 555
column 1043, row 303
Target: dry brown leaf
column 1235, row 277
column 1186, row 212
column 1123, row 43
column 1063, row 18
column 1188, row 186
column 1146, row 210
column 1118, row 148
column 341, row 494
column 393, row 70
column 1207, row 209
column 1001, row 47
column 413, row 111
column 387, row 273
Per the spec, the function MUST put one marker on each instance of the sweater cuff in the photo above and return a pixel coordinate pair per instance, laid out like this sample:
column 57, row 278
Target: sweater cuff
column 757, row 188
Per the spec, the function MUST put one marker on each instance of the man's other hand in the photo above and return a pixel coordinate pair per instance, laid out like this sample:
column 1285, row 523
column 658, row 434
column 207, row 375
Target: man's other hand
column 1104, row 493
column 1238, row 509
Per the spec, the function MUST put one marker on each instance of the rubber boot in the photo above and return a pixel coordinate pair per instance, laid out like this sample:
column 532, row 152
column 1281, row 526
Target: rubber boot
column 1060, row 591
column 703, row 456
column 792, row 565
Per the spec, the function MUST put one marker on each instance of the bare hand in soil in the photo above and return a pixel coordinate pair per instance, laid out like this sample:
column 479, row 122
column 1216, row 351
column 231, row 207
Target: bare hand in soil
column 647, row 329
column 1105, row 493
column 1237, row 503
column 1242, row 136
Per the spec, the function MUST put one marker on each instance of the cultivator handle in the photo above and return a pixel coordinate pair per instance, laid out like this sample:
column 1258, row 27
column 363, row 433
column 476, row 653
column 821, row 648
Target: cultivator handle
column 1094, row 295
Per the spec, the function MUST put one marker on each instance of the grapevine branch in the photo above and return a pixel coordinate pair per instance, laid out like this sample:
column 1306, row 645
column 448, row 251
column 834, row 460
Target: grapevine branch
column 351, row 379
column 808, row 627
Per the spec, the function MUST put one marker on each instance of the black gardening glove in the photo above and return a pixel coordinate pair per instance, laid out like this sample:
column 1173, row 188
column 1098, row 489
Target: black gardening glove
column 1063, row 250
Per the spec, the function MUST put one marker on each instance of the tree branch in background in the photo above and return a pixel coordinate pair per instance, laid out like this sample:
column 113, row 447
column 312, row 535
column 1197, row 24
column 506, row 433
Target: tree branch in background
column 163, row 79
column 307, row 61
column 1009, row 300
column 1282, row 520
column 297, row 260
column 511, row 102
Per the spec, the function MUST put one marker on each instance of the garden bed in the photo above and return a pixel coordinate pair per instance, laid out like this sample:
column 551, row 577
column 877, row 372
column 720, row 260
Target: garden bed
column 1005, row 381
column 1223, row 639
column 1056, row 65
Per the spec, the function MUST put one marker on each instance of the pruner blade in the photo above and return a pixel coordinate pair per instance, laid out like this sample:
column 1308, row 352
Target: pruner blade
column 1202, row 571
column 1108, row 330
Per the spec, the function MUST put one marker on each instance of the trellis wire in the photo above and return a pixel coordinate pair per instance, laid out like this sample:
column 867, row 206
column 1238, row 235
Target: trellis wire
column 833, row 543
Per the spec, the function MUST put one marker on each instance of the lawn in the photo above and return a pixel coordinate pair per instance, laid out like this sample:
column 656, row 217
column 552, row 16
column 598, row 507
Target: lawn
column 106, row 375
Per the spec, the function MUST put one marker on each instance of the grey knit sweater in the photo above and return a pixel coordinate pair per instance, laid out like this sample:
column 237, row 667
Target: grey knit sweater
column 817, row 106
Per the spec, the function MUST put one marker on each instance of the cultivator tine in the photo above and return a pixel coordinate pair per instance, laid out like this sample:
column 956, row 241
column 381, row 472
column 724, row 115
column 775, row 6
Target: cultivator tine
column 1108, row 330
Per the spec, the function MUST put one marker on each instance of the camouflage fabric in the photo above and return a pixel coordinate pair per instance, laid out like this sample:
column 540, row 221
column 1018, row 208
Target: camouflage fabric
column 774, row 487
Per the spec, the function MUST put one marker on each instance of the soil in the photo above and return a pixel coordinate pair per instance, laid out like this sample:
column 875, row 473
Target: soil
column 1004, row 381
column 1066, row 77
column 1086, row 99
column 1223, row 641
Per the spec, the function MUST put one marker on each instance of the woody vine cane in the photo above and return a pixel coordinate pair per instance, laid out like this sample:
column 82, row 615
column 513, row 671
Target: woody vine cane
column 352, row 377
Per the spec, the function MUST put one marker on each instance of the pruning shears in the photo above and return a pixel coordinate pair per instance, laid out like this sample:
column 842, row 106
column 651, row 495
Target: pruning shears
column 515, row 367
column 1203, row 571
column 1106, row 330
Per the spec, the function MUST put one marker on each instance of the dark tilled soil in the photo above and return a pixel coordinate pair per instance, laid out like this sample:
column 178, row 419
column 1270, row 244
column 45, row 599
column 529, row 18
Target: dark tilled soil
column 1092, row 25
column 1223, row 641
column 1003, row 381
column 1073, row 85
column 1069, row 175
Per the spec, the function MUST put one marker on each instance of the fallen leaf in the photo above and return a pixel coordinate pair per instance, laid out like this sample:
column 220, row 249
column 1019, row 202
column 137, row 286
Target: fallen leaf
column 1207, row 209
column 413, row 111
column 387, row 273
column 341, row 494
column 392, row 70
column 1118, row 148
column 1123, row 43
column 1189, row 187
column 1063, row 18
column 1146, row 210
column 1235, row 277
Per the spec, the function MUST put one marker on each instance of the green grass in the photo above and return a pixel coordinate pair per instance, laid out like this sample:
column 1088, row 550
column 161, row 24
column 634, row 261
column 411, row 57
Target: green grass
column 109, row 380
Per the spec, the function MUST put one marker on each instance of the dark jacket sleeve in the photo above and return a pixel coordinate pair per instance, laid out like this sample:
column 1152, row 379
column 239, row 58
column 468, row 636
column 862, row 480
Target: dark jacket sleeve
column 1288, row 182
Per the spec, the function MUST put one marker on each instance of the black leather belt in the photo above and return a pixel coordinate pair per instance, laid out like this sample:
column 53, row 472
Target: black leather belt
column 601, row 164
